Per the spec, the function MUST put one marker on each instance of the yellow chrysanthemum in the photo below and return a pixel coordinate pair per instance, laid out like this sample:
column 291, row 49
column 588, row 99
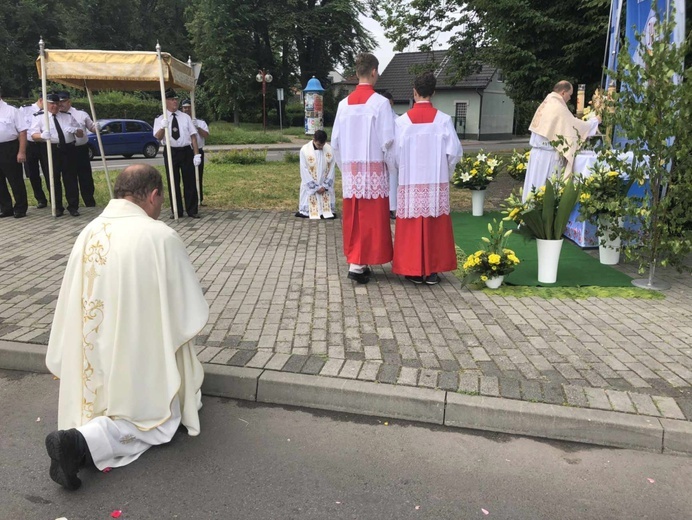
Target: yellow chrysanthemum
column 520, row 166
column 612, row 174
column 494, row 259
column 512, row 258
column 473, row 171
column 484, row 278
column 584, row 197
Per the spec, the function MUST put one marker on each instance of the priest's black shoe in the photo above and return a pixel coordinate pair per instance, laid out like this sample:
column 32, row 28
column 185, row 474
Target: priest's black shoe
column 19, row 215
column 358, row 277
column 41, row 205
column 6, row 213
column 195, row 215
column 68, row 451
column 74, row 212
column 59, row 212
column 416, row 279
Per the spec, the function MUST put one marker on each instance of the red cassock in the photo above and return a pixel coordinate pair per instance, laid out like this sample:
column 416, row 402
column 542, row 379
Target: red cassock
column 424, row 239
column 359, row 135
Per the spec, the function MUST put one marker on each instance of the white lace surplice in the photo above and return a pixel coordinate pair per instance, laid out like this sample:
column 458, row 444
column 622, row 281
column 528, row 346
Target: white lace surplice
column 426, row 155
column 362, row 167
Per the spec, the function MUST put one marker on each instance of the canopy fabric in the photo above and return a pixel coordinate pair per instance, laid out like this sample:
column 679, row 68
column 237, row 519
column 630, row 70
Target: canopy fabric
column 115, row 70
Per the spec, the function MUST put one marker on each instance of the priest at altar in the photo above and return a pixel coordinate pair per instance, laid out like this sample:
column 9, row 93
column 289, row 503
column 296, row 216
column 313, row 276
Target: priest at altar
column 362, row 135
column 551, row 120
column 426, row 150
column 317, row 179
column 122, row 340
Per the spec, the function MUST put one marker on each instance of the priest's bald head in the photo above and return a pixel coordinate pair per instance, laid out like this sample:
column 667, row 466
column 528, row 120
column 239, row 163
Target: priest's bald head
column 141, row 184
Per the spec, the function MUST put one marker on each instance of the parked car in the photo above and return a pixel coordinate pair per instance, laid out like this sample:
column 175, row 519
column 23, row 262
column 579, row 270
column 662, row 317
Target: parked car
column 125, row 137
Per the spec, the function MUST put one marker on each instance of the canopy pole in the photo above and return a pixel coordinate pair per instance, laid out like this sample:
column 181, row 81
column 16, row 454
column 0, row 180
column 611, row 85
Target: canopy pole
column 192, row 106
column 98, row 138
column 169, row 155
column 46, row 122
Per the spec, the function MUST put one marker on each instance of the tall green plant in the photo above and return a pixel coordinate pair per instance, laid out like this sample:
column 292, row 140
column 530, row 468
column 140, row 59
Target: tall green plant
column 546, row 211
column 652, row 112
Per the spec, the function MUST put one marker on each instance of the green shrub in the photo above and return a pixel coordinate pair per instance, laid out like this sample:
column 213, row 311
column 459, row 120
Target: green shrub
column 292, row 157
column 239, row 157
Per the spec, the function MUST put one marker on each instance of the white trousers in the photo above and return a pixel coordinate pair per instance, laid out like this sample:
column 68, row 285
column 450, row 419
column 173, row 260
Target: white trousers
column 115, row 443
column 543, row 163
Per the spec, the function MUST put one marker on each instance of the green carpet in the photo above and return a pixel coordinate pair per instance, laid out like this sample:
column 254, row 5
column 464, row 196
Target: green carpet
column 576, row 268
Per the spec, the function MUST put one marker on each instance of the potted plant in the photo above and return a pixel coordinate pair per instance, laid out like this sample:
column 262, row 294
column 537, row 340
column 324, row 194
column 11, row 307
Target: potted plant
column 475, row 173
column 544, row 216
column 516, row 166
column 604, row 203
column 492, row 263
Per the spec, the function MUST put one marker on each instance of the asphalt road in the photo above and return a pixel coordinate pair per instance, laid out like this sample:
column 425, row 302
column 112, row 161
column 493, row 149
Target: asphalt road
column 118, row 162
column 267, row 462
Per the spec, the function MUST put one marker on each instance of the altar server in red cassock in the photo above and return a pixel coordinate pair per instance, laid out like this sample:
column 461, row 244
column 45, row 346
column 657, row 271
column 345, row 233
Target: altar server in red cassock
column 362, row 137
column 426, row 151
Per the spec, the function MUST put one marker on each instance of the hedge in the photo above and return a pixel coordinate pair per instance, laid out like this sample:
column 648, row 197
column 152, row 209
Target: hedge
column 143, row 110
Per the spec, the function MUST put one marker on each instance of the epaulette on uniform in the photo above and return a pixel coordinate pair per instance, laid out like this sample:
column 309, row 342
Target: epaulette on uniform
column 40, row 112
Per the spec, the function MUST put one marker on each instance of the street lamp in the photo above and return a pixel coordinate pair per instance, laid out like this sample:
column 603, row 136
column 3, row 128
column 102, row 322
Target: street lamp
column 264, row 77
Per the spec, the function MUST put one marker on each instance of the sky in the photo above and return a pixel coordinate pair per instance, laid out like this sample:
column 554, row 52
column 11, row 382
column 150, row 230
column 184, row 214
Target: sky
column 385, row 50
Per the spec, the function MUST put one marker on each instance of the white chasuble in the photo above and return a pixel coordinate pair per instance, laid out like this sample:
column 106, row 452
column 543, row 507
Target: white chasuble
column 122, row 341
column 317, row 171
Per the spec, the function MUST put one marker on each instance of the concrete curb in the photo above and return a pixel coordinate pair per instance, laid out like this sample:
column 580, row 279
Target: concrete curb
column 347, row 395
column 547, row 421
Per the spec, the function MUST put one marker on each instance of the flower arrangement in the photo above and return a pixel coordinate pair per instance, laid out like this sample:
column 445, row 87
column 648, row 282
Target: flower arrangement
column 518, row 162
column 546, row 210
column 495, row 259
column 475, row 172
column 604, row 191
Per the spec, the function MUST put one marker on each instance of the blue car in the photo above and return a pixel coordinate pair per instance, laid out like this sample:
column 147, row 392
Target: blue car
column 125, row 137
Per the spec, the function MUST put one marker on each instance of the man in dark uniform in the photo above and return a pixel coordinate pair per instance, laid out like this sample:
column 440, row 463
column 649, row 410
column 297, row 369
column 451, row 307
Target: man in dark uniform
column 61, row 133
column 36, row 156
column 85, row 176
column 202, row 134
column 184, row 152
column 12, row 155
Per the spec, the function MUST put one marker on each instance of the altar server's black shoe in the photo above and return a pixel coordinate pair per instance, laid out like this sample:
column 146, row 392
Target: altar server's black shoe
column 358, row 277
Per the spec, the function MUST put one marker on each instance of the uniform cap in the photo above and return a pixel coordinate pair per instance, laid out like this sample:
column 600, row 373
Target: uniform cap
column 170, row 94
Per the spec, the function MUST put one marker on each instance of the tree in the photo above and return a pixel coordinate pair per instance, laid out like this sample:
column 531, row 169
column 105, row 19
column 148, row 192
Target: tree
column 535, row 42
column 652, row 113
column 21, row 27
column 221, row 36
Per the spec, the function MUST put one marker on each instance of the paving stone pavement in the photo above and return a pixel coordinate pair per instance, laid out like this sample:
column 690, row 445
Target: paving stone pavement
column 279, row 300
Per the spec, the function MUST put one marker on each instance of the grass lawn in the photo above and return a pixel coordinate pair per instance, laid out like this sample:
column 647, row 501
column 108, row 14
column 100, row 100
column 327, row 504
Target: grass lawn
column 267, row 186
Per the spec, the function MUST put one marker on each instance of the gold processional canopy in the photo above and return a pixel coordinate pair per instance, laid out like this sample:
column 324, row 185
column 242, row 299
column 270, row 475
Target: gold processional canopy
column 116, row 70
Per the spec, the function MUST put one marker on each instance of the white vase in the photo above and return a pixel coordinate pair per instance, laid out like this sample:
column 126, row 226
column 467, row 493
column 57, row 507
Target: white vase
column 608, row 253
column 477, row 200
column 548, row 259
column 494, row 282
